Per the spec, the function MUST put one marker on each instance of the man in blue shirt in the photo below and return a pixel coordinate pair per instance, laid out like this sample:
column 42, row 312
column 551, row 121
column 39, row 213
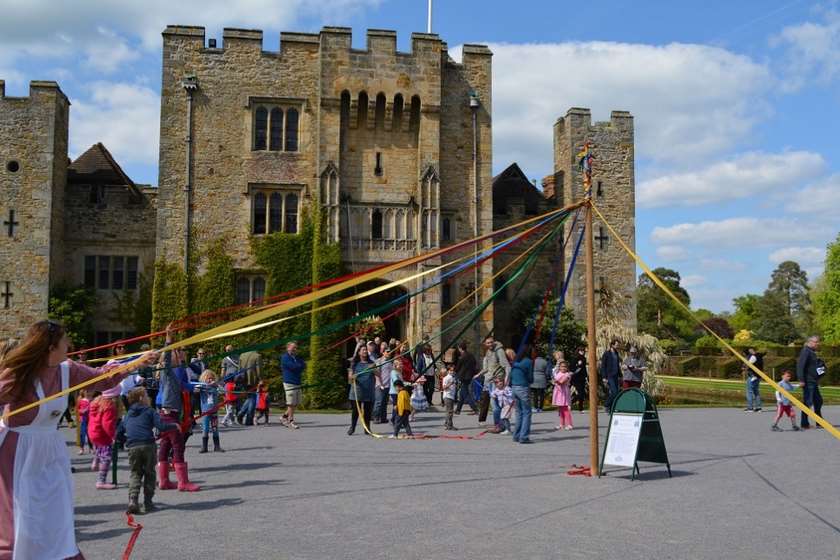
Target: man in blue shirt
column 520, row 379
column 292, row 367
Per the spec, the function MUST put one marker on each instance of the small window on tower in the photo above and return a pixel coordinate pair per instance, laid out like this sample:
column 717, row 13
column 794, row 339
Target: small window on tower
column 599, row 190
column 377, row 170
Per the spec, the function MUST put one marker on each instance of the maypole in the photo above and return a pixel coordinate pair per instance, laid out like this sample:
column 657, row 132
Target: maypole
column 585, row 162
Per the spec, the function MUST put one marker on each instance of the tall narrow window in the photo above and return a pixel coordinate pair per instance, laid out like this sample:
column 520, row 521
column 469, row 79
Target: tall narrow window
column 259, row 213
column 260, row 128
column 446, row 296
column 361, row 116
column 243, row 290
column 118, row 273
column 398, row 113
column 379, row 116
column 131, row 273
column 90, row 271
column 292, row 130
column 600, row 190
column 276, row 128
column 104, row 273
column 446, row 230
column 345, row 108
column 291, row 213
column 377, row 169
column 399, row 225
column 376, row 225
column 499, row 286
column 275, row 212
column 414, row 122
column 258, row 289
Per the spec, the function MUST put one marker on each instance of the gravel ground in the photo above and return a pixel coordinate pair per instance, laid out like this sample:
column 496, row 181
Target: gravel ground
column 738, row 491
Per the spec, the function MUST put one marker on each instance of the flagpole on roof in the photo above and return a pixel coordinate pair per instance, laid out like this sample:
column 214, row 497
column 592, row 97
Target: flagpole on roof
column 429, row 19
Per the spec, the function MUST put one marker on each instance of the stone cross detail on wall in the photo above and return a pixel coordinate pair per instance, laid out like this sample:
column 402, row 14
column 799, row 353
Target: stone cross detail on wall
column 7, row 295
column 11, row 223
column 602, row 238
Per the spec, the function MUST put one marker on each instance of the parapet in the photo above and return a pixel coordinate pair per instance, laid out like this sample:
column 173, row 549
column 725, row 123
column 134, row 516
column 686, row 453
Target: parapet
column 382, row 41
column 581, row 118
column 35, row 87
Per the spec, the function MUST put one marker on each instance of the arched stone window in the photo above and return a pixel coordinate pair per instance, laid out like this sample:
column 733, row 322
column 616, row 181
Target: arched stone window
column 291, row 213
column 345, row 108
column 260, row 128
column 376, row 225
column 292, row 130
column 361, row 116
column 275, row 142
column 380, row 111
column 399, row 227
column 275, row 212
column 259, row 213
column 414, row 122
column 398, row 113
column 387, row 224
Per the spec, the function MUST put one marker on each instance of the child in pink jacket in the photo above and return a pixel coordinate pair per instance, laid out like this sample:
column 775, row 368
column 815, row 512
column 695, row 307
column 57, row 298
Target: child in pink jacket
column 102, row 429
column 562, row 394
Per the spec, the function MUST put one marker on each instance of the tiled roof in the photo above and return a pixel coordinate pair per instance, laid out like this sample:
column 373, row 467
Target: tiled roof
column 98, row 167
column 513, row 183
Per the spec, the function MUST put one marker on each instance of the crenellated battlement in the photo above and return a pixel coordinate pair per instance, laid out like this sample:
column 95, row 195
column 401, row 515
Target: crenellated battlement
column 330, row 41
column 580, row 119
column 37, row 91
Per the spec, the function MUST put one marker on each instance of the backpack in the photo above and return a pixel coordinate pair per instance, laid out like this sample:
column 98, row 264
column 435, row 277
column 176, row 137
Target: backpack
column 759, row 361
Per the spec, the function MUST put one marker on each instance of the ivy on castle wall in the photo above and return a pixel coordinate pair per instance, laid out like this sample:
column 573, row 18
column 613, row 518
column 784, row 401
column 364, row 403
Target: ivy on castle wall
column 169, row 294
column 216, row 287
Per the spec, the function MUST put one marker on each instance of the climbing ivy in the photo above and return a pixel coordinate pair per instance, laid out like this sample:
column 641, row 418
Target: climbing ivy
column 215, row 288
column 169, row 294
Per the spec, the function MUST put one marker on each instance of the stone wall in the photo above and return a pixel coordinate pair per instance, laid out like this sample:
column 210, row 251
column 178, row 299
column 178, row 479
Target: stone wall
column 613, row 192
column 123, row 226
column 34, row 136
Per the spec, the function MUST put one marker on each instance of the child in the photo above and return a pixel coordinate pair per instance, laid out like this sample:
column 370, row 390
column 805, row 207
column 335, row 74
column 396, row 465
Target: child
column 418, row 399
column 562, row 397
column 208, row 394
column 783, row 406
column 230, row 404
column 82, row 412
column 504, row 396
column 403, row 408
column 448, row 390
column 262, row 402
column 102, row 429
column 136, row 428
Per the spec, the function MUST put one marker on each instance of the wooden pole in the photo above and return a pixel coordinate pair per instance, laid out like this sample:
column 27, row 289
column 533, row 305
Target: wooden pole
column 593, row 349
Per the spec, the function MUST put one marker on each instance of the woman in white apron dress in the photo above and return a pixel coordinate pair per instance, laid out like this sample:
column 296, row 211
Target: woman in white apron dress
column 36, row 489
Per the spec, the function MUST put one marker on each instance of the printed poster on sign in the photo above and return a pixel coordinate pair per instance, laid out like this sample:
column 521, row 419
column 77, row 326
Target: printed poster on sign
column 623, row 439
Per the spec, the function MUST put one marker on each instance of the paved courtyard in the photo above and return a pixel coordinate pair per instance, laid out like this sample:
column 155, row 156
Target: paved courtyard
column 738, row 491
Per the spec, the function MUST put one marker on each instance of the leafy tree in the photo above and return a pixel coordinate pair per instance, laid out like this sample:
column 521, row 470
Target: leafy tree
column 657, row 313
column 773, row 322
column 135, row 308
column 790, row 283
column 827, row 296
column 745, row 317
column 73, row 307
column 568, row 332
column 719, row 326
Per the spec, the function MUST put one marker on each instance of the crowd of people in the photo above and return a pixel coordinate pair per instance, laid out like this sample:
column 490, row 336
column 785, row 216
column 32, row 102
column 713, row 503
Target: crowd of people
column 151, row 406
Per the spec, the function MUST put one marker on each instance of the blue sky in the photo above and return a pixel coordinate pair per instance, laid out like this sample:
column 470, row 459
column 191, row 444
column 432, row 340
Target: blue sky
column 736, row 104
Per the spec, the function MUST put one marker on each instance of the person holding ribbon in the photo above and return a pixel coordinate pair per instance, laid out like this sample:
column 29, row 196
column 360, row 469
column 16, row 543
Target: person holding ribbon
column 36, row 489
column 361, row 379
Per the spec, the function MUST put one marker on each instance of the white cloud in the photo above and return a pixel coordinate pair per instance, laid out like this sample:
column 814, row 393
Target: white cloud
column 124, row 117
column 718, row 263
column 743, row 176
column 812, row 51
column 820, row 199
column 671, row 252
column 46, row 28
column 109, row 54
column 688, row 100
column 738, row 232
column 692, row 280
column 805, row 256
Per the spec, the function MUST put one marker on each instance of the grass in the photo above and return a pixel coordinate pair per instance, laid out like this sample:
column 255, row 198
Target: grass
column 698, row 391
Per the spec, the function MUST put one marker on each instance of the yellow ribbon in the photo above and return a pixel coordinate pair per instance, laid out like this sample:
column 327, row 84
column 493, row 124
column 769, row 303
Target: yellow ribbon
column 658, row 281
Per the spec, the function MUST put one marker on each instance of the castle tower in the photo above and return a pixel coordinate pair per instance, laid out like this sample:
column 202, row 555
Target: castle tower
column 33, row 175
column 613, row 191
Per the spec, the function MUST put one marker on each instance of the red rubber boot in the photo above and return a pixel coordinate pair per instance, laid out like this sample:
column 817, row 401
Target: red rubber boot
column 184, row 484
column 163, row 477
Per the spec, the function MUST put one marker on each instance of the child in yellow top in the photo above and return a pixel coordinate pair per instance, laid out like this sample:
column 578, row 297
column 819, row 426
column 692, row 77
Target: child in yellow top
column 403, row 409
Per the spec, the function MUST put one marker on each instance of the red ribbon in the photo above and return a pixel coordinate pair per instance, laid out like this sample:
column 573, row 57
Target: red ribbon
column 134, row 534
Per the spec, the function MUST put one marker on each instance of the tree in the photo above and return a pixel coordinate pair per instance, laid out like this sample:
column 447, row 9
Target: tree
column 719, row 326
column 73, row 307
column 745, row 316
column 568, row 332
column 789, row 283
column 657, row 313
column 773, row 322
column 827, row 296
column 135, row 308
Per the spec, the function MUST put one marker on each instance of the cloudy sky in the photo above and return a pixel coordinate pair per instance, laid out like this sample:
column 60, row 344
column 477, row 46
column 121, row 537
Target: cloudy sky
column 736, row 104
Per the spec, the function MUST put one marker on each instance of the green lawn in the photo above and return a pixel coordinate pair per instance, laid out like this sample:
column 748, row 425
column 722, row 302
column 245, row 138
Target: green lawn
column 724, row 392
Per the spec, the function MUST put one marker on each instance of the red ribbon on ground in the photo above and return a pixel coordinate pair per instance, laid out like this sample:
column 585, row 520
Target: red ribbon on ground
column 133, row 538
column 579, row 470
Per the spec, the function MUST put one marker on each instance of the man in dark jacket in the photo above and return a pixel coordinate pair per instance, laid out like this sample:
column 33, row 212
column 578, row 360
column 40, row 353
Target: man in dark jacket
column 137, row 428
column 610, row 371
column 292, row 367
column 465, row 370
column 809, row 369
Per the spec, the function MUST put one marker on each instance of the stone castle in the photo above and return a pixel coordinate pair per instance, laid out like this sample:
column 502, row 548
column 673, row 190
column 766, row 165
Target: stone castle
column 394, row 148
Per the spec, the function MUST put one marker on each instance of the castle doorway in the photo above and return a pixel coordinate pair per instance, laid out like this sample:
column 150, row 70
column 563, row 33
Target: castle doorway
column 395, row 323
